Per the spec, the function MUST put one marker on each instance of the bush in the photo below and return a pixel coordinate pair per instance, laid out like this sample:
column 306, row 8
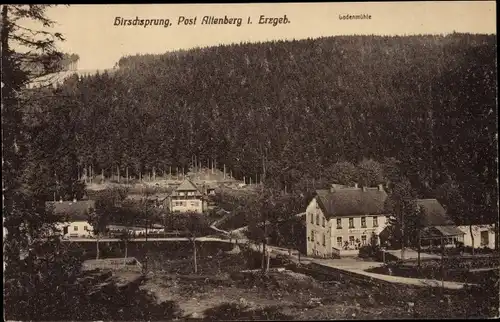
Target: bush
column 369, row 251
column 242, row 311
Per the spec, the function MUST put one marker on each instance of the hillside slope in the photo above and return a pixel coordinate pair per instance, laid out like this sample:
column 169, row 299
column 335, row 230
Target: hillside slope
column 427, row 101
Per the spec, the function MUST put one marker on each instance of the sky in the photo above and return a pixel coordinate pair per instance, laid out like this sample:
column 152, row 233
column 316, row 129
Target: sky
column 90, row 32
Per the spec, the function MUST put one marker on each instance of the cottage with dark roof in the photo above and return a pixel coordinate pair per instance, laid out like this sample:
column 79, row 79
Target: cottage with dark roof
column 437, row 226
column 341, row 219
column 75, row 214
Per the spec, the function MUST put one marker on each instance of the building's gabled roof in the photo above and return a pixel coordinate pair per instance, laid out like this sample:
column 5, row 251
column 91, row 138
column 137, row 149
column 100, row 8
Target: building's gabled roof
column 351, row 201
column 76, row 211
column 187, row 185
column 433, row 213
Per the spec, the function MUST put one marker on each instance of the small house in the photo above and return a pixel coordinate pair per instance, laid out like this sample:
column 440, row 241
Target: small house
column 438, row 228
column 478, row 233
column 75, row 215
column 187, row 198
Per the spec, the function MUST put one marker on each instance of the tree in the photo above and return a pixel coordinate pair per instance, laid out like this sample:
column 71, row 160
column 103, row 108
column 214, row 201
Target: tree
column 453, row 201
column 107, row 210
column 45, row 286
column 195, row 226
column 107, row 205
column 391, row 168
column 370, row 173
column 147, row 215
column 98, row 224
column 344, row 173
column 19, row 67
column 404, row 221
column 127, row 217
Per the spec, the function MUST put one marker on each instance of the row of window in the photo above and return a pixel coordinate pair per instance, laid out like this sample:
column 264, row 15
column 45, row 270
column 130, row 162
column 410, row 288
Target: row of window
column 185, row 203
column 351, row 221
column 75, row 228
column 317, row 220
column 363, row 222
column 343, row 244
column 312, row 237
column 188, row 193
column 352, row 241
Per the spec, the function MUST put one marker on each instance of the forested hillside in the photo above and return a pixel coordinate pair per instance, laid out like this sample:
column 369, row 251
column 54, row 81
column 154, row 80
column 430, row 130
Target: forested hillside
column 427, row 101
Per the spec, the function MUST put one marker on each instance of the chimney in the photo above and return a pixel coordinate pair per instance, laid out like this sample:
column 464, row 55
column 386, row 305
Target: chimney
column 380, row 187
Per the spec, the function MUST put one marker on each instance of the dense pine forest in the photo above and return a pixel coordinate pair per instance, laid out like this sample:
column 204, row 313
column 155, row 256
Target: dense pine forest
column 291, row 107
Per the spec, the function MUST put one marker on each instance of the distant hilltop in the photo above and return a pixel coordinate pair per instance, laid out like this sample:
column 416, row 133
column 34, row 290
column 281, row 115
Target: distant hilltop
column 56, row 79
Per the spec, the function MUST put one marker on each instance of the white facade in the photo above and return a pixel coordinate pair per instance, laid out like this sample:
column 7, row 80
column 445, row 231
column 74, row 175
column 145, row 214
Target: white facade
column 318, row 231
column 76, row 229
column 484, row 236
column 191, row 204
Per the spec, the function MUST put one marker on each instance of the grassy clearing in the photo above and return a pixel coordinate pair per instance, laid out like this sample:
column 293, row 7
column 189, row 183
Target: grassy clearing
column 222, row 291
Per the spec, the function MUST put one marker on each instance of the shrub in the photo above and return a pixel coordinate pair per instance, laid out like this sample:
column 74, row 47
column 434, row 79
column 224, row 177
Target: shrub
column 369, row 251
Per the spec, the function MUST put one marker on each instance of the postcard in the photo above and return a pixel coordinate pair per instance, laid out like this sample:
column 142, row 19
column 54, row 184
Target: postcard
column 250, row 161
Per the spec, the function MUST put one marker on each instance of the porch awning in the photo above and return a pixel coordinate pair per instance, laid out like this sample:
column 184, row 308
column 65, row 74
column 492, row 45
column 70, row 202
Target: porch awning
column 449, row 231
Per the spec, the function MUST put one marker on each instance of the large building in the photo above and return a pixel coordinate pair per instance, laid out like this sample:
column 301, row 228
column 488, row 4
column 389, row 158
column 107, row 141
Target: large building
column 342, row 219
column 187, row 198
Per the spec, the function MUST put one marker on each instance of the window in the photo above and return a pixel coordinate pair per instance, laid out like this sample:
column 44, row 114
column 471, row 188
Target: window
column 351, row 222
column 312, row 218
column 484, row 238
column 75, row 228
column 312, row 235
column 85, row 228
column 375, row 221
column 324, row 240
column 363, row 222
column 363, row 240
column 339, row 224
column 194, row 203
column 317, row 219
column 339, row 242
column 351, row 240
column 323, row 218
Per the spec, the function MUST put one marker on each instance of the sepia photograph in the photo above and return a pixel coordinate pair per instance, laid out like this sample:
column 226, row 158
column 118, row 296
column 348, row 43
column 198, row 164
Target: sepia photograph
column 250, row 161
